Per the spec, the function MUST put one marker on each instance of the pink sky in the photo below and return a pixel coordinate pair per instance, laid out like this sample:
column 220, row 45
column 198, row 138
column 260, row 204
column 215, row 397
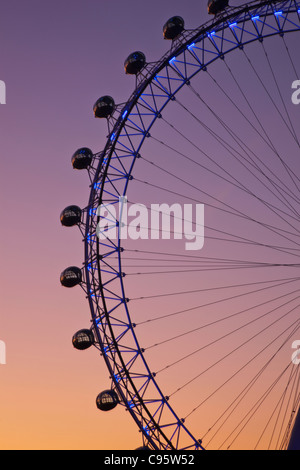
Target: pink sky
column 57, row 58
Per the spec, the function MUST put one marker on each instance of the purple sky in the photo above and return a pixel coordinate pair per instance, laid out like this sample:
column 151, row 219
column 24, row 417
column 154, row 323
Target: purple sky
column 57, row 58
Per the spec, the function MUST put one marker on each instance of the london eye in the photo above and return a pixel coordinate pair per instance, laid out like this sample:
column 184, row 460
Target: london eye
column 199, row 339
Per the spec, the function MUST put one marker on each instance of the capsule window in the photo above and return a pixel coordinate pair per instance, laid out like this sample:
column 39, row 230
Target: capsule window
column 107, row 400
column 82, row 159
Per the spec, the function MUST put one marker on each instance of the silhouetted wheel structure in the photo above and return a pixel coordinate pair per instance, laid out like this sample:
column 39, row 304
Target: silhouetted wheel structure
column 198, row 344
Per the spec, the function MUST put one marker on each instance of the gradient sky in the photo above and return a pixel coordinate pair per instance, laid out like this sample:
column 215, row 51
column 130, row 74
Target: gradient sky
column 56, row 58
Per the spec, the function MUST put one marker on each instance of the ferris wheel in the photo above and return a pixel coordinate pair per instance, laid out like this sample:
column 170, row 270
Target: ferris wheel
column 191, row 235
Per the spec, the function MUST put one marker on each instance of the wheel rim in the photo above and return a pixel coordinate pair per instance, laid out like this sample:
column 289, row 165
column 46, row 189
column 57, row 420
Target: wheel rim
column 110, row 173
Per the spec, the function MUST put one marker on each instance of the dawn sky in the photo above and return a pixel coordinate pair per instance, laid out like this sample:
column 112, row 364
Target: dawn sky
column 56, row 59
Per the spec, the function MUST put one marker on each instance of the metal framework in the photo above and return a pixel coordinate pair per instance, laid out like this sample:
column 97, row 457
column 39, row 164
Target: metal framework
column 110, row 173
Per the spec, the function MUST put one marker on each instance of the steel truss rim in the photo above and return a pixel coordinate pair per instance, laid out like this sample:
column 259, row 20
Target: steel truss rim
column 154, row 433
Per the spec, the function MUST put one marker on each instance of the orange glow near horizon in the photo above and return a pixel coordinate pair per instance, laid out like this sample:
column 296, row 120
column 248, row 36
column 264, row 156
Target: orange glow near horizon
column 70, row 53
